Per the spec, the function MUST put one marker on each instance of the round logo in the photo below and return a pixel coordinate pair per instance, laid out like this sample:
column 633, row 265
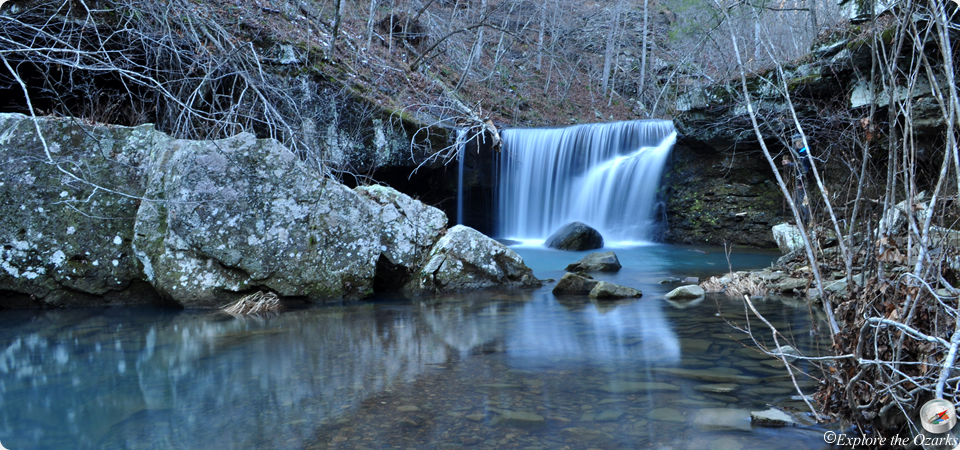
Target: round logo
column 938, row 416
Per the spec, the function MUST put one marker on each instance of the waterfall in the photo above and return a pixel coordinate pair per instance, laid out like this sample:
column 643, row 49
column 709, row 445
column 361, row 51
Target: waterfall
column 461, row 155
column 604, row 175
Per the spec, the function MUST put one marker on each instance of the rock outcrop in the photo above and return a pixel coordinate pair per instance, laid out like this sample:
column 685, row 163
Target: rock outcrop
column 101, row 214
column 576, row 236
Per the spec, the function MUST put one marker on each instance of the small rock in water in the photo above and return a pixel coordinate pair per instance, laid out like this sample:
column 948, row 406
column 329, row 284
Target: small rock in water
column 408, row 408
column 608, row 416
column 596, row 262
column 610, row 291
column 691, row 280
column 586, row 434
column 666, row 415
column 576, row 236
column 572, row 283
column 721, row 388
column 771, row 418
column 515, row 418
column 686, row 293
column 477, row 417
column 723, row 419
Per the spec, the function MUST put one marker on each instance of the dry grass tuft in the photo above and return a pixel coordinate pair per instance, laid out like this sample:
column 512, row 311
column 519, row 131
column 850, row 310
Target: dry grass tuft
column 737, row 286
column 256, row 303
column 713, row 285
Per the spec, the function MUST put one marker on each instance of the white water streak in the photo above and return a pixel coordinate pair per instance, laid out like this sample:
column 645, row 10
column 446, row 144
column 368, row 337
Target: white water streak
column 605, row 175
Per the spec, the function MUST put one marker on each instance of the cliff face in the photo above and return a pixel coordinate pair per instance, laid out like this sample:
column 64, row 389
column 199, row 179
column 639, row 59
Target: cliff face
column 722, row 187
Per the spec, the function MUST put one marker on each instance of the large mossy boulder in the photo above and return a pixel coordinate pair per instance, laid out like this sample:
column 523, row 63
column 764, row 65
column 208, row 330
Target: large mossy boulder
column 465, row 259
column 575, row 236
column 596, row 262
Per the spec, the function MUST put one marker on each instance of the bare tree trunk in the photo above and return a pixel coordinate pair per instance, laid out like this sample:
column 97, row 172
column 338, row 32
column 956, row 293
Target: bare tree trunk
column 336, row 26
column 543, row 25
column 643, row 51
column 608, row 54
column 370, row 20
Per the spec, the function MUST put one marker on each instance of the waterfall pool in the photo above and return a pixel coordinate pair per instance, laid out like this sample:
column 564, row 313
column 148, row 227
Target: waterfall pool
column 516, row 369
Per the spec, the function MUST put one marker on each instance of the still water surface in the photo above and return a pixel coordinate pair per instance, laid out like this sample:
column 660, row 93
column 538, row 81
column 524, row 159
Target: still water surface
column 519, row 369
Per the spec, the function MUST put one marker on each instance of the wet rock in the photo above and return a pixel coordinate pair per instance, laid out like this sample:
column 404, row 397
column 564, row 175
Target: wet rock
column 576, row 236
column 691, row 280
column 638, row 387
column 686, row 293
column 789, row 285
column 723, row 419
column 596, row 262
column 609, row 291
column 407, row 408
column 519, row 419
column 788, row 237
column 464, row 259
column 771, row 418
column 708, row 375
column 666, row 415
column 571, row 283
column 720, row 388
column 586, row 434
column 476, row 417
column 608, row 416
column 787, row 352
column 725, row 443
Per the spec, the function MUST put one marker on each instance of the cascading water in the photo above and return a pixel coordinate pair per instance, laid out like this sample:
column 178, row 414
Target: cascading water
column 604, row 175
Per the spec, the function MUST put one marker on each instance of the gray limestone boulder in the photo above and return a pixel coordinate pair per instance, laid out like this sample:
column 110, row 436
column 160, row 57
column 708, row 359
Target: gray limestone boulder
column 596, row 262
column 107, row 214
column 465, row 259
column 788, row 237
column 223, row 217
column 67, row 227
column 689, row 292
column 576, row 236
column 609, row 291
column 572, row 283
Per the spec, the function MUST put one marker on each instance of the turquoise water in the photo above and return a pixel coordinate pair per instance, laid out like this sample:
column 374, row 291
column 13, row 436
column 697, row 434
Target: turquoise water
column 517, row 369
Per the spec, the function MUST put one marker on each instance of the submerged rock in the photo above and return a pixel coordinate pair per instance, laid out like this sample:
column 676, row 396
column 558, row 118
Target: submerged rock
column 465, row 259
column 596, row 262
column 689, row 292
column 576, row 236
column 609, row 291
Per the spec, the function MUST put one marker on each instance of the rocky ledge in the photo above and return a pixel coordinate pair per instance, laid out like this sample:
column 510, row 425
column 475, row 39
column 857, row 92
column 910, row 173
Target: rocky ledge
column 108, row 214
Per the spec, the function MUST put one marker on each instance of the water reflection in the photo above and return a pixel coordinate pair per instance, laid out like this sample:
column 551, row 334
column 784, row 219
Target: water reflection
column 489, row 369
